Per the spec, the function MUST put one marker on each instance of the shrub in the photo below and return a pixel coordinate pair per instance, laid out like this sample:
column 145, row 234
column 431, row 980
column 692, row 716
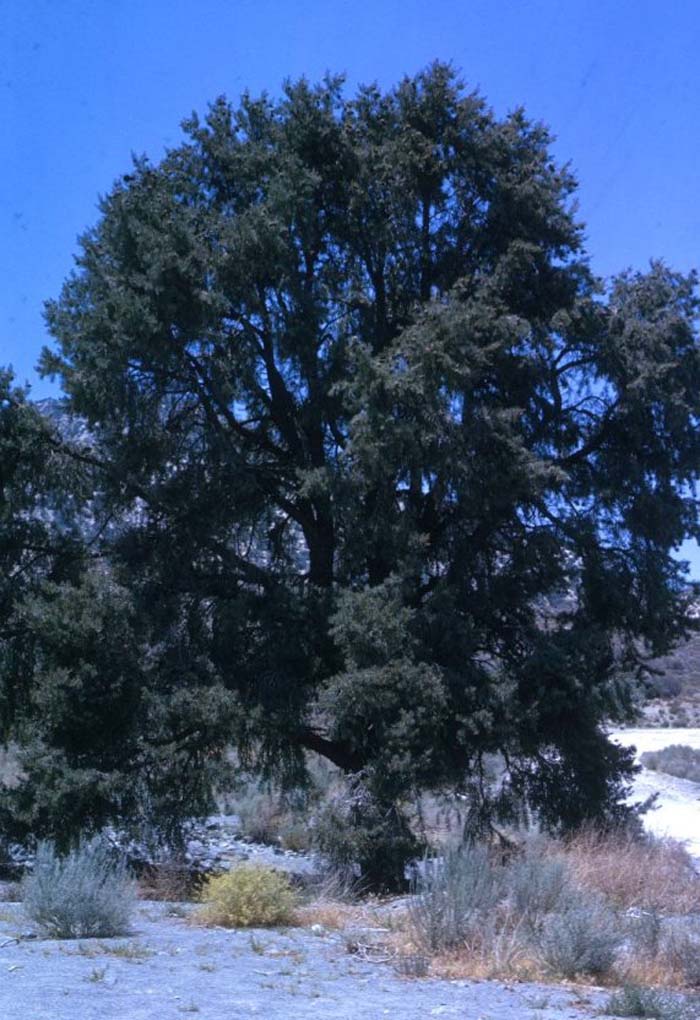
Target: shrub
column 634, row 872
column 453, row 895
column 645, row 927
column 85, row 894
column 681, row 953
column 537, row 886
column 248, row 897
column 582, row 939
column 647, row 1002
column 677, row 760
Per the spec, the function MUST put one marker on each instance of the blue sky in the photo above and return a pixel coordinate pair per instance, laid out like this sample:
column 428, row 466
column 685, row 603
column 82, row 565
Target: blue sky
column 84, row 83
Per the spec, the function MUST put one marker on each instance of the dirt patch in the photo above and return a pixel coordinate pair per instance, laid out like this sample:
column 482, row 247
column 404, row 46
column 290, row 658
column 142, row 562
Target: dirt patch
column 168, row 969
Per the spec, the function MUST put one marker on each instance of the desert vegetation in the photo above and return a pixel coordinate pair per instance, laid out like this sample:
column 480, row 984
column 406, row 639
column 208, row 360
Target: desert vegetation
column 611, row 908
column 248, row 897
column 86, row 893
column 676, row 760
column 558, row 911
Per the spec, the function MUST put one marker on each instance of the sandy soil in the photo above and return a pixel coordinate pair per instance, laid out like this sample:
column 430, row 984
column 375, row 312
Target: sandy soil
column 168, row 969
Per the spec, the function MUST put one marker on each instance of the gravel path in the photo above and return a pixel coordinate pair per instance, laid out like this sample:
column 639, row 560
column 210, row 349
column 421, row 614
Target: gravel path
column 169, row 969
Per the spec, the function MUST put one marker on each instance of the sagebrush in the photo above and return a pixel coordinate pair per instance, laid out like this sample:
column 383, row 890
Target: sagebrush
column 528, row 915
column 649, row 1003
column 581, row 939
column 676, row 760
column 86, row 893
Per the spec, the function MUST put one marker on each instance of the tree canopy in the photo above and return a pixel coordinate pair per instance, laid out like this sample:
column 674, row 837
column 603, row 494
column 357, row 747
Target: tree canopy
column 394, row 477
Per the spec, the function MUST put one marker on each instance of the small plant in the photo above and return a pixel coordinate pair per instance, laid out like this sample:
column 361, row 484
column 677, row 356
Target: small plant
column 134, row 952
column 97, row 975
column 248, row 897
column 583, row 938
column 412, row 965
column 85, row 894
column 633, row 1001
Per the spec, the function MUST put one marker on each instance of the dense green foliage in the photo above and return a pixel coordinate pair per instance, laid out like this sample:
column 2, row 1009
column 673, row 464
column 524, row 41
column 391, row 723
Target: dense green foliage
column 30, row 544
column 82, row 684
column 395, row 478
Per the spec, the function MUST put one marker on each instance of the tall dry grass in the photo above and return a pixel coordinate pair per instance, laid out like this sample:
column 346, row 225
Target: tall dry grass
column 650, row 874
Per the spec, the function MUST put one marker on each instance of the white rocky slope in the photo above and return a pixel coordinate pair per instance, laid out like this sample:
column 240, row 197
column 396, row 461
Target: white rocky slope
column 677, row 811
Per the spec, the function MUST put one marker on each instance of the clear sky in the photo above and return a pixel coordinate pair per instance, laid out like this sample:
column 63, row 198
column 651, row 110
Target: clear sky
column 84, row 83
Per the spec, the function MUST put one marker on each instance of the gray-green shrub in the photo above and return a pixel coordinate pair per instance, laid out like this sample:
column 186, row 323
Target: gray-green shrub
column 538, row 886
column 85, row 894
column 453, row 895
column 681, row 951
column 677, row 760
column 644, row 929
column 650, row 1003
column 582, row 938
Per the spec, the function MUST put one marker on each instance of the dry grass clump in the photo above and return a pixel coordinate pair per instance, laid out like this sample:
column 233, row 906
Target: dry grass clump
column 169, row 882
column 646, row 874
column 334, row 915
column 250, row 896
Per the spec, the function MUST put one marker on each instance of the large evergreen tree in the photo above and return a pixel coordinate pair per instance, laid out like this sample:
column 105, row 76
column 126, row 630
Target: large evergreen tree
column 396, row 475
